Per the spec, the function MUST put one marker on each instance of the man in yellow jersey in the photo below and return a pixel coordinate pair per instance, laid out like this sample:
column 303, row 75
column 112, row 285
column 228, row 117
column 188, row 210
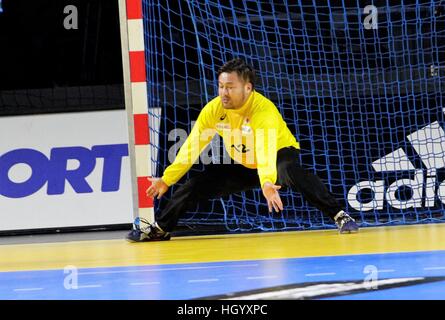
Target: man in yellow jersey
column 265, row 152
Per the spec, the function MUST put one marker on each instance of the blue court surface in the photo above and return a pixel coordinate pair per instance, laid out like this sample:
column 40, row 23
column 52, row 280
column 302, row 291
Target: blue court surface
column 411, row 275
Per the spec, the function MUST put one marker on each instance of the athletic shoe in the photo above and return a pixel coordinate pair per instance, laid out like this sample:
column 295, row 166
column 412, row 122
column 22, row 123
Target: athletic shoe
column 346, row 224
column 143, row 231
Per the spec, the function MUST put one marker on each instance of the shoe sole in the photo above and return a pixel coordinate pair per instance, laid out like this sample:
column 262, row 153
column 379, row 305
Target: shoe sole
column 147, row 240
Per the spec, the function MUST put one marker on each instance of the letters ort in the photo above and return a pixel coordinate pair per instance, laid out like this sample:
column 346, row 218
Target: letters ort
column 54, row 170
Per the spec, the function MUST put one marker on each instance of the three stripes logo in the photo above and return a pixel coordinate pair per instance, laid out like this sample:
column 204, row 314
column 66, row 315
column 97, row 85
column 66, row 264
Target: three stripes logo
column 419, row 187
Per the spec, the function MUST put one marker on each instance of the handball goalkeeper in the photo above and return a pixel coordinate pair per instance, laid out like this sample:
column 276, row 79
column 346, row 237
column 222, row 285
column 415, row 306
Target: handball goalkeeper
column 265, row 154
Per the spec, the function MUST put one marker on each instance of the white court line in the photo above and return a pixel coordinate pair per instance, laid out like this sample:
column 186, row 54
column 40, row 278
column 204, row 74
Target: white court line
column 434, row 268
column 166, row 269
column 261, row 277
column 28, row 289
column 203, row 280
column 143, row 283
column 320, row 274
column 89, row 286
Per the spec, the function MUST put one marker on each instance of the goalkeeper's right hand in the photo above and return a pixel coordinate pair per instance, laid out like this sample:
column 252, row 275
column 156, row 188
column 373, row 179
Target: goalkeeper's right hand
column 158, row 188
column 270, row 192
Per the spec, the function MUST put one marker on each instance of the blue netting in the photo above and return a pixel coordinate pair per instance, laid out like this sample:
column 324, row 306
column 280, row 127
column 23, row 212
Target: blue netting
column 351, row 94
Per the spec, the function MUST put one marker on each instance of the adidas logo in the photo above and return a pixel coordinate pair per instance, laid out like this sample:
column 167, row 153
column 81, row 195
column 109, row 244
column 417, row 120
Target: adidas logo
column 420, row 190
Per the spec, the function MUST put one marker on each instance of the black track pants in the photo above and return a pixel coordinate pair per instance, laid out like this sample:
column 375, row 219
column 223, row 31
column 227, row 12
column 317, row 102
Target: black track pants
column 219, row 180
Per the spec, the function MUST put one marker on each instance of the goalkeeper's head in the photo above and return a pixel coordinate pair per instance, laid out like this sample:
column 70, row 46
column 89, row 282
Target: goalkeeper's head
column 236, row 81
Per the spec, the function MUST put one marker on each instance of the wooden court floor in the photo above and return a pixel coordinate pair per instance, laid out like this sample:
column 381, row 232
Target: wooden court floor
column 266, row 259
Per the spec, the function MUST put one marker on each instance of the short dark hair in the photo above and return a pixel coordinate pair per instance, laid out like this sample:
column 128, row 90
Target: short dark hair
column 239, row 66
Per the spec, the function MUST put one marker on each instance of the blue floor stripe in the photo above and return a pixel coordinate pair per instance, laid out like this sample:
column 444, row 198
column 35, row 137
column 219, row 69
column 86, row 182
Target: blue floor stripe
column 188, row 281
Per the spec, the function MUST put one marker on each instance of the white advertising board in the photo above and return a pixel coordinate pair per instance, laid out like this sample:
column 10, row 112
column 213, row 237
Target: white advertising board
column 64, row 170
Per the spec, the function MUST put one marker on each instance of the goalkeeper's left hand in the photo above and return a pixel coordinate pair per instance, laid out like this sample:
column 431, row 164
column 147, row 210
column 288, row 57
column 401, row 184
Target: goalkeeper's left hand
column 270, row 192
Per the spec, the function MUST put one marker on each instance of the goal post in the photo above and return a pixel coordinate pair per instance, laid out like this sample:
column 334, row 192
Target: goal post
column 136, row 104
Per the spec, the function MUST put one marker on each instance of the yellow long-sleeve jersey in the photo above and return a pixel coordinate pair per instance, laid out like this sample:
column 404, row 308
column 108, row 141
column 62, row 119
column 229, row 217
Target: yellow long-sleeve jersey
column 252, row 136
